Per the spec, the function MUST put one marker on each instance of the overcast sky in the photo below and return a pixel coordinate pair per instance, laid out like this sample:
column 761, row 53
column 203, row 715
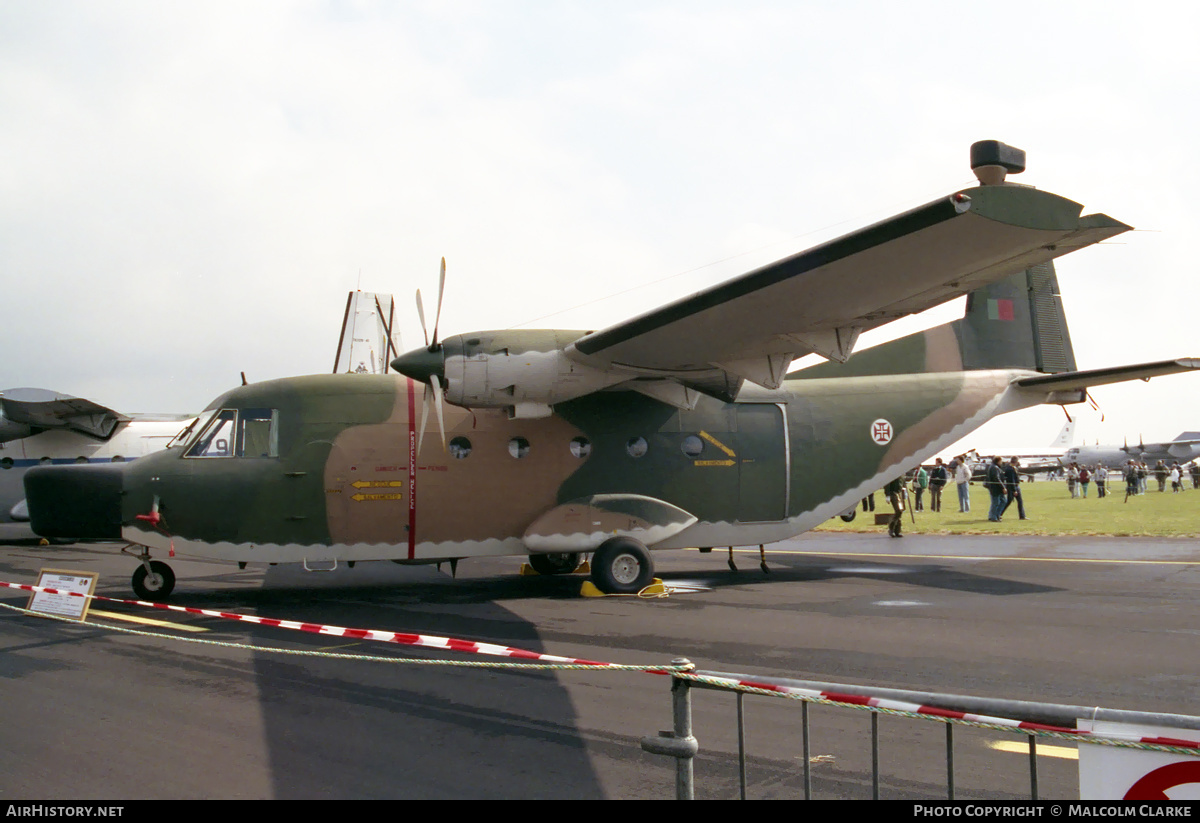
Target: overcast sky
column 188, row 190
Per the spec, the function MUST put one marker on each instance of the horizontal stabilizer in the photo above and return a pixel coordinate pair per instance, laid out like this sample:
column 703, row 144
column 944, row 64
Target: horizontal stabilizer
column 1077, row 380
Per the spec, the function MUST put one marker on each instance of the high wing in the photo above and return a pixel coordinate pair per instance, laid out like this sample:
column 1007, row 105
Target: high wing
column 28, row 411
column 820, row 300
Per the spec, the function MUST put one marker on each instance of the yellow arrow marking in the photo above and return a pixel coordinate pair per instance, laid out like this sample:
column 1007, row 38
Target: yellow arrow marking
column 377, row 484
column 715, row 463
column 718, row 444
column 361, row 497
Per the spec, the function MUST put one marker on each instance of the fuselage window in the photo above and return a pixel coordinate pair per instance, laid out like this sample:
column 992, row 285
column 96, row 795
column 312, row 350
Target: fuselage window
column 692, row 446
column 45, row 461
column 637, row 446
column 460, row 447
column 216, row 439
column 581, row 447
column 116, row 458
column 6, row 463
column 81, row 459
column 518, row 447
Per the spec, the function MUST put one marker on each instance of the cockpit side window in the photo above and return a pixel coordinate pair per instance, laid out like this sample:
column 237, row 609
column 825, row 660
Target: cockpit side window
column 258, row 433
column 216, row 439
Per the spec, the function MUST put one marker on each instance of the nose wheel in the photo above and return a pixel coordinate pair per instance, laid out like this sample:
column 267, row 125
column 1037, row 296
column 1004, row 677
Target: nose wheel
column 153, row 580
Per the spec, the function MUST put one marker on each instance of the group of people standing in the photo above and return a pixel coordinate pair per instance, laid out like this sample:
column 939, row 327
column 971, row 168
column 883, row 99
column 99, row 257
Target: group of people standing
column 1080, row 477
column 1003, row 482
column 1137, row 475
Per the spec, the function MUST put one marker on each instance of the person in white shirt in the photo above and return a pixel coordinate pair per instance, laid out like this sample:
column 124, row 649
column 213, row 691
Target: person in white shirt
column 962, row 480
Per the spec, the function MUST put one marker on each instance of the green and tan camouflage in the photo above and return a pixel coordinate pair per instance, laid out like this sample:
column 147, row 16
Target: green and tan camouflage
column 675, row 429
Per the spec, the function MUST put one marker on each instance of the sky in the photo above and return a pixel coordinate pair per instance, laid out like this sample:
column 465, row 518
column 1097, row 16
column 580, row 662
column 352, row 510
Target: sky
column 189, row 190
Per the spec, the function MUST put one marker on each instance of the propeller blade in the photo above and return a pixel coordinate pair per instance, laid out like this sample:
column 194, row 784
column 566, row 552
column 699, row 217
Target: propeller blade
column 438, row 398
column 438, row 318
column 421, row 314
column 424, row 419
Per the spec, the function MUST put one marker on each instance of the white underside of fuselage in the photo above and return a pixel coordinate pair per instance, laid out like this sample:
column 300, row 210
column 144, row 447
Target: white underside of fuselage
column 1007, row 398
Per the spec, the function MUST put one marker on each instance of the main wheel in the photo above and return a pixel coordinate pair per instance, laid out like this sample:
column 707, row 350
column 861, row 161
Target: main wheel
column 850, row 515
column 622, row 565
column 548, row 564
column 155, row 585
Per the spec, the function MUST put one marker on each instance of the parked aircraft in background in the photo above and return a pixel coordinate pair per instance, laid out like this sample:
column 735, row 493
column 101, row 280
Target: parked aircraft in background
column 40, row 427
column 678, row 428
column 1032, row 460
column 369, row 339
column 1183, row 449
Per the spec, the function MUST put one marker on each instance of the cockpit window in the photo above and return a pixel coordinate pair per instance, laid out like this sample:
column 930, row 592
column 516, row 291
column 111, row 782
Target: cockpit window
column 238, row 433
column 216, row 439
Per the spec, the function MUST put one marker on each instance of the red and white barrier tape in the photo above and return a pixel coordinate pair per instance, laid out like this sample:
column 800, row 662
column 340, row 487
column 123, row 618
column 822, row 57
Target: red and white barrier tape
column 934, row 711
column 470, row 646
column 429, row 641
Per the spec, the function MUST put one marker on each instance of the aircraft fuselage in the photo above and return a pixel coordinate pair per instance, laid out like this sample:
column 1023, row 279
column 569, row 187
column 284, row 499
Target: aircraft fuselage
column 347, row 482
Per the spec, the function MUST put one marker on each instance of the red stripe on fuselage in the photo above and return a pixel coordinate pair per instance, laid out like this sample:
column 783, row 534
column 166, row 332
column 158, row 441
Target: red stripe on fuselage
column 412, row 470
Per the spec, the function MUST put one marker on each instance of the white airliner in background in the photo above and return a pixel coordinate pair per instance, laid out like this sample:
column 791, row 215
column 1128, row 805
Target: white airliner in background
column 38, row 427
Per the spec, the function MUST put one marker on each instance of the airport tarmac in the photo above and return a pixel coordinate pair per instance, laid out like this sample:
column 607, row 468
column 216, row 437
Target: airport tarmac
column 90, row 713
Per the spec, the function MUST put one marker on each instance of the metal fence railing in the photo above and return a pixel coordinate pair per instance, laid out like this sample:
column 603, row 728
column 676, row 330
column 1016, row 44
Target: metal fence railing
column 1030, row 720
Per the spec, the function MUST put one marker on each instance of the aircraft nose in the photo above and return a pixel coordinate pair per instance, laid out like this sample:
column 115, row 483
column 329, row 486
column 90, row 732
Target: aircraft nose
column 77, row 502
column 421, row 364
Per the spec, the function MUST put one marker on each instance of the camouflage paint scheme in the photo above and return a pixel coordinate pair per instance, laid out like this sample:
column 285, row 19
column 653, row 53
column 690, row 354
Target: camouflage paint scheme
column 677, row 428
column 754, row 480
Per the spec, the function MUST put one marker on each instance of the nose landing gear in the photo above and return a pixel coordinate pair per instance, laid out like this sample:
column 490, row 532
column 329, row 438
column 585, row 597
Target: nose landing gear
column 153, row 580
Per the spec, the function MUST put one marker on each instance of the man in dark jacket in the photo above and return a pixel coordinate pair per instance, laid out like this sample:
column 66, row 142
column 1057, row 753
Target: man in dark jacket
column 995, row 486
column 1012, row 487
column 937, row 481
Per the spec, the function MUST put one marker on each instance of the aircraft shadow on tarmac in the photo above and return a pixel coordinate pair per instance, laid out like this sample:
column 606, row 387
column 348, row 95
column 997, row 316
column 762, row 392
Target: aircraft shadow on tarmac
column 349, row 729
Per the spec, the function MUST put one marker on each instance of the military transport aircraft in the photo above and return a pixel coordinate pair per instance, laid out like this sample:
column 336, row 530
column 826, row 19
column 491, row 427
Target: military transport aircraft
column 678, row 428
column 1183, row 449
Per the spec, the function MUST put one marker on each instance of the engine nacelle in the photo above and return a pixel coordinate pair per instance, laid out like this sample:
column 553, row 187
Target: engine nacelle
column 525, row 372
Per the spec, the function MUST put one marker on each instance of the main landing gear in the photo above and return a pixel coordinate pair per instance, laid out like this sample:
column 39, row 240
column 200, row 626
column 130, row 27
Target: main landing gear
column 551, row 564
column 622, row 565
column 153, row 580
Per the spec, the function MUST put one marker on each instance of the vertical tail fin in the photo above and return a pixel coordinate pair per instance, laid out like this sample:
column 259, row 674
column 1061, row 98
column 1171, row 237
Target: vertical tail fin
column 1066, row 437
column 1015, row 323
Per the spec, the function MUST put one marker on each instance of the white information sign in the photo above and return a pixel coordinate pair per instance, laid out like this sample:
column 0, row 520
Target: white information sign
column 1109, row 773
column 64, row 605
